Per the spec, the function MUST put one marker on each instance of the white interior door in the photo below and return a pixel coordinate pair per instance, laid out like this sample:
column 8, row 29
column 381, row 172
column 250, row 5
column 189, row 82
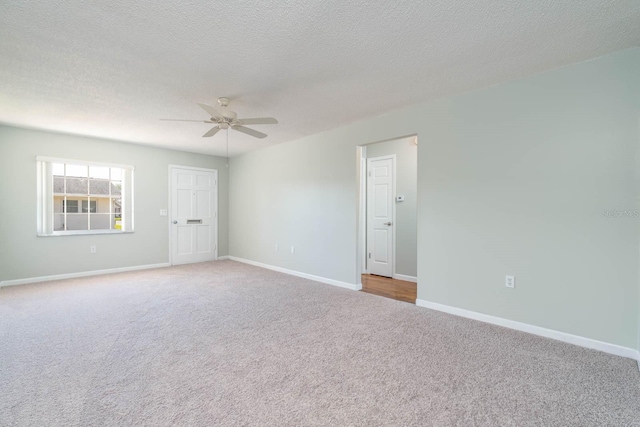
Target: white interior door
column 380, row 193
column 194, row 215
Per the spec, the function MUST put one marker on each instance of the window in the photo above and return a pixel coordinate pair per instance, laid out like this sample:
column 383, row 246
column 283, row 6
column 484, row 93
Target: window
column 70, row 206
column 86, row 204
column 77, row 197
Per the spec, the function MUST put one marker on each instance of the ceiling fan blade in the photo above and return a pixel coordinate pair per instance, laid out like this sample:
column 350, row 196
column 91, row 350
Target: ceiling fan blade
column 249, row 131
column 260, row 121
column 211, row 132
column 210, row 110
column 181, row 120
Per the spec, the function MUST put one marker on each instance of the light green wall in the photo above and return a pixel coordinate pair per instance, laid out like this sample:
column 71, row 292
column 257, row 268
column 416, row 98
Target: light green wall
column 305, row 195
column 521, row 187
column 23, row 255
column 406, row 184
column 513, row 179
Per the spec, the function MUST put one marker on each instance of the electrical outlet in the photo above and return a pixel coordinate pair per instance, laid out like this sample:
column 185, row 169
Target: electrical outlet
column 277, row 247
column 510, row 281
column 293, row 249
column 92, row 249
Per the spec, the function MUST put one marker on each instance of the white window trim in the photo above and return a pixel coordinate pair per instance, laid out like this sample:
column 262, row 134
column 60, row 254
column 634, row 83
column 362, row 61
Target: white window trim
column 45, row 197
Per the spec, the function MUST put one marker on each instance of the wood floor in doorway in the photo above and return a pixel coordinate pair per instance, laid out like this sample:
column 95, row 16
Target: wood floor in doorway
column 400, row 290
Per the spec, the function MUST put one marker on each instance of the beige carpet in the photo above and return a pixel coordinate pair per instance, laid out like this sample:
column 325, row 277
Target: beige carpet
column 226, row 344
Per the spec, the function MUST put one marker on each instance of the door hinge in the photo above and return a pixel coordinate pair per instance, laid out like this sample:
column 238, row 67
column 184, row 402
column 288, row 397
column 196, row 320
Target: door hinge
column 369, row 255
column 369, row 173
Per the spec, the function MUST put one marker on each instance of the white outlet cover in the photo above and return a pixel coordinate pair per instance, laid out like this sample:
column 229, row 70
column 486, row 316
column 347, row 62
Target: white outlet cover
column 510, row 281
column 163, row 212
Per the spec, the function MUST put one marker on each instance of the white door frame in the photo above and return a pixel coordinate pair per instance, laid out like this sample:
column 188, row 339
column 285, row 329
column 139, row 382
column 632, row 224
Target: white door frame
column 170, row 213
column 365, row 264
column 361, row 264
column 361, row 214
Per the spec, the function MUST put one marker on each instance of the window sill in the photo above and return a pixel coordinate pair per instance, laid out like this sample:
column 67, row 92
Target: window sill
column 82, row 233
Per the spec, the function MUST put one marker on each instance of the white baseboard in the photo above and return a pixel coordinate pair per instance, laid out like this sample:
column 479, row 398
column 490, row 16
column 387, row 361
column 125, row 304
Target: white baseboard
column 405, row 278
column 536, row 330
column 300, row 274
column 221, row 258
column 80, row 274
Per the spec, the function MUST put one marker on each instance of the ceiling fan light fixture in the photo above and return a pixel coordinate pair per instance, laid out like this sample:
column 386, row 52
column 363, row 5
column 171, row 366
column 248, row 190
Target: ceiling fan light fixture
column 227, row 119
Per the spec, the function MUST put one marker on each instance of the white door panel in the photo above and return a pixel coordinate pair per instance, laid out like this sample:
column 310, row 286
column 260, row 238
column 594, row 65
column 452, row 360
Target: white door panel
column 183, row 179
column 203, row 240
column 203, row 204
column 183, row 203
column 194, row 195
column 380, row 204
column 380, row 189
column 184, row 239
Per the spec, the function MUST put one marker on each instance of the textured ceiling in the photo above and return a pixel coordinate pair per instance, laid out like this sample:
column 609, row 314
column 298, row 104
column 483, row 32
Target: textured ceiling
column 113, row 68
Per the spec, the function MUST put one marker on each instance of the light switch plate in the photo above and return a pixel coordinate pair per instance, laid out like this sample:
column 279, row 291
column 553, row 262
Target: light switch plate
column 163, row 212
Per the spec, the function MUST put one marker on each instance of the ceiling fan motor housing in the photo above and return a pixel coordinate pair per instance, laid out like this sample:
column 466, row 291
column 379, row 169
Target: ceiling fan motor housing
column 226, row 113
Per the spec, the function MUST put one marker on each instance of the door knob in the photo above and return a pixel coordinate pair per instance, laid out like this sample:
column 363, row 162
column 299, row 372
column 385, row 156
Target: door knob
column 175, row 221
column 387, row 223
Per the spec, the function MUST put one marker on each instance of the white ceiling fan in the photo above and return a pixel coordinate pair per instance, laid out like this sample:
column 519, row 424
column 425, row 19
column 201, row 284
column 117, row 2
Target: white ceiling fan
column 224, row 118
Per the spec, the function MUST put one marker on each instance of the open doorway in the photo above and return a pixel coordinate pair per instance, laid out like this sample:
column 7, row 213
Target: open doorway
column 387, row 232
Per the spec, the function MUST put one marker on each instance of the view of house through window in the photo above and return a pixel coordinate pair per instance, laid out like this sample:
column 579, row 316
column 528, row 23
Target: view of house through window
column 86, row 197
